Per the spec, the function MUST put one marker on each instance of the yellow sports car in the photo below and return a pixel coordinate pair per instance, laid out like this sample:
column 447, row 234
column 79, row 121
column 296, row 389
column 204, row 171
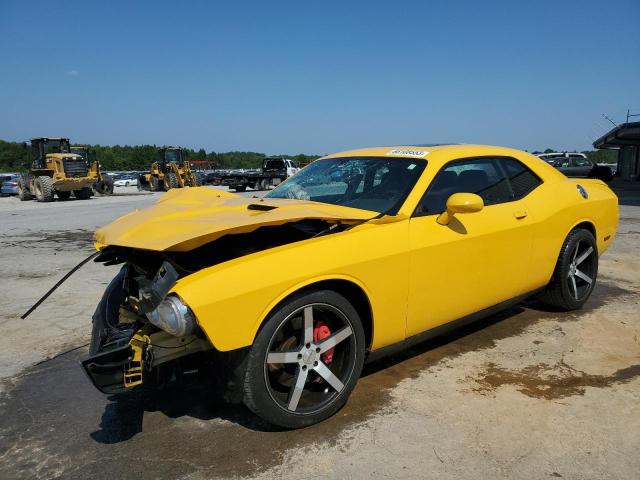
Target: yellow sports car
column 358, row 254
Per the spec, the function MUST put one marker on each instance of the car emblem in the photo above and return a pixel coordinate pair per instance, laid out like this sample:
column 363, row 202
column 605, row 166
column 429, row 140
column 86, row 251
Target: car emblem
column 582, row 191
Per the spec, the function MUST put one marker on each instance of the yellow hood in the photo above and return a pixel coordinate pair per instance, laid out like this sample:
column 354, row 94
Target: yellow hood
column 184, row 219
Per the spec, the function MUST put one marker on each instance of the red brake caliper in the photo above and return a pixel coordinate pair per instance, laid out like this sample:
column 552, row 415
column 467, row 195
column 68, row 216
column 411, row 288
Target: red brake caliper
column 320, row 332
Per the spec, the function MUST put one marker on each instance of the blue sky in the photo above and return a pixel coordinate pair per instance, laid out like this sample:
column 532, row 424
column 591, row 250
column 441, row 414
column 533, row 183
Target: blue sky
column 317, row 77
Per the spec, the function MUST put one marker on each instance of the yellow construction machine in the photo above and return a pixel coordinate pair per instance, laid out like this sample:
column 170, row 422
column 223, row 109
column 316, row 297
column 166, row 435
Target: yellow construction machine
column 104, row 185
column 56, row 171
column 171, row 170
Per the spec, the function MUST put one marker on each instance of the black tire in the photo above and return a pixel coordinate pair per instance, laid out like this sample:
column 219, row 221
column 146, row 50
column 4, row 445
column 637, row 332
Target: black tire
column 199, row 179
column 63, row 195
column 171, row 181
column 241, row 188
column 271, row 386
column 104, row 186
column 575, row 273
column 83, row 194
column 107, row 185
column 24, row 193
column 43, row 187
column 155, row 184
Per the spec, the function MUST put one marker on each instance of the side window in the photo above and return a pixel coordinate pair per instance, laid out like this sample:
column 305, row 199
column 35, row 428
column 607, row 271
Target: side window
column 496, row 180
column 522, row 179
column 482, row 176
column 581, row 162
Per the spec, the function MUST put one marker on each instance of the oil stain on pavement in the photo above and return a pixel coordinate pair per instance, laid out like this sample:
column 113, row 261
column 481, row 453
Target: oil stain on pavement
column 550, row 381
column 54, row 424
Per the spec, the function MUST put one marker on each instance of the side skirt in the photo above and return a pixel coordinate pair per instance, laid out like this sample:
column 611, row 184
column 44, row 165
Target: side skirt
column 445, row 328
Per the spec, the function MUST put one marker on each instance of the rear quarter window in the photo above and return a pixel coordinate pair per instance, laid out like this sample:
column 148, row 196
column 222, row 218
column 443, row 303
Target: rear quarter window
column 522, row 179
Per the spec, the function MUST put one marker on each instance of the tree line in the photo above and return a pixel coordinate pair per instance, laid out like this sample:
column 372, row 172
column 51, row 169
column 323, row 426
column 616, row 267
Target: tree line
column 14, row 158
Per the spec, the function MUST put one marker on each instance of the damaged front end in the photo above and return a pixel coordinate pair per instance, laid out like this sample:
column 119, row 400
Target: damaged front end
column 140, row 326
column 137, row 328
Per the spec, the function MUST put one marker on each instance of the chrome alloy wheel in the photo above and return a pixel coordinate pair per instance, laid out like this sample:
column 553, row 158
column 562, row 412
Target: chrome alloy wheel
column 311, row 356
column 581, row 270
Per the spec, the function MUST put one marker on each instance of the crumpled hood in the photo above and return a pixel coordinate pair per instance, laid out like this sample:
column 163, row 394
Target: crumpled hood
column 184, row 219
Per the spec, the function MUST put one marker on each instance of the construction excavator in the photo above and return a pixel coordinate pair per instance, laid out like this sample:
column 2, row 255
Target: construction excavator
column 170, row 170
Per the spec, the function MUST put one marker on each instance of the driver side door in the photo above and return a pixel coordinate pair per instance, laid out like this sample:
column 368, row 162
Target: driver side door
column 476, row 261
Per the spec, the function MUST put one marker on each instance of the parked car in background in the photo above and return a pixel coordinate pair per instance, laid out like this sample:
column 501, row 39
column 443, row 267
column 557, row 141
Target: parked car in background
column 9, row 185
column 126, row 181
column 574, row 164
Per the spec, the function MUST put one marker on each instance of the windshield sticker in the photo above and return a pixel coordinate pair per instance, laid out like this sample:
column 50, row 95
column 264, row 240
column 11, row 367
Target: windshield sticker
column 411, row 167
column 408, row 153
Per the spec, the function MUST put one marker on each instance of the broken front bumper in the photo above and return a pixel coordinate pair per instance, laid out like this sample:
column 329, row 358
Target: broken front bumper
column 107, row 370
column 115, row 362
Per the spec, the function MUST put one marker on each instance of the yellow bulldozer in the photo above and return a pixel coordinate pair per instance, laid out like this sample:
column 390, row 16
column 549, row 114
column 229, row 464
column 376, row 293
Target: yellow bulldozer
column 104, row 185
column 171, row 170
column 55, row 171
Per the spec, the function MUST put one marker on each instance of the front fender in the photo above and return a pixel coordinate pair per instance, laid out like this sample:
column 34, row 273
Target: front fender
column 232, row 299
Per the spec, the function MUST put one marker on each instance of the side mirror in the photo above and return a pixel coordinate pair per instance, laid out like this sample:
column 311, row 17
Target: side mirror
column 460, row 203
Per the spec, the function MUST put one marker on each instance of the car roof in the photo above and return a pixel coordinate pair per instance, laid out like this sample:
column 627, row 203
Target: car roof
column 431, row 153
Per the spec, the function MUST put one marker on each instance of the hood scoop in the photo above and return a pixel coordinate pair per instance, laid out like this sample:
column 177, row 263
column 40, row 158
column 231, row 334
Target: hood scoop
column 261, row 208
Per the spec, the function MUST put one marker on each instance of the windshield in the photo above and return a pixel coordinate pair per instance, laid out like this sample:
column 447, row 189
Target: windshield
column 55, row 146
column 379, row 184
column 172, row 156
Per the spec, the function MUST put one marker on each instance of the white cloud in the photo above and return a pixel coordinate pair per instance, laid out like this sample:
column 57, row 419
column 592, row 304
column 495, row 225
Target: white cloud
column 73, row 73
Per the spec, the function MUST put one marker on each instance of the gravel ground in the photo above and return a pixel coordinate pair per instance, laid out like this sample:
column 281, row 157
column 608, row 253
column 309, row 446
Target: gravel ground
column 524, row 394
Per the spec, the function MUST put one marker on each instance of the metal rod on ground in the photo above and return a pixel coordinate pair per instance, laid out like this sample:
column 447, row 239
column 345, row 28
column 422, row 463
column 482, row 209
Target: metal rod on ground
column 60, row 282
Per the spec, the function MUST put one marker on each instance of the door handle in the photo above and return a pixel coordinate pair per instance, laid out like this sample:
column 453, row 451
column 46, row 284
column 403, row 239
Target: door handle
column 520, row 214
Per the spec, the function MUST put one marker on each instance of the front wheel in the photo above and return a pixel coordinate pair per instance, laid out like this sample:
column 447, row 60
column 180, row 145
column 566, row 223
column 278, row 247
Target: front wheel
column 155, row 184
column 171, row 181
column 305, row 361
column 575, row 274
column 43, row 186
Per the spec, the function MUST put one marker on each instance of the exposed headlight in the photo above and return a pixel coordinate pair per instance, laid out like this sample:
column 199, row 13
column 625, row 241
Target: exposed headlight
column 173, row 317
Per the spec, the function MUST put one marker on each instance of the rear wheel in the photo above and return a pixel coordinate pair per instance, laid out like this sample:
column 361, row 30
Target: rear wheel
column 305, row 361
column 83, row 194
column 23, row 188
column 575, row 274
column 63, row 195
column 43, row 187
